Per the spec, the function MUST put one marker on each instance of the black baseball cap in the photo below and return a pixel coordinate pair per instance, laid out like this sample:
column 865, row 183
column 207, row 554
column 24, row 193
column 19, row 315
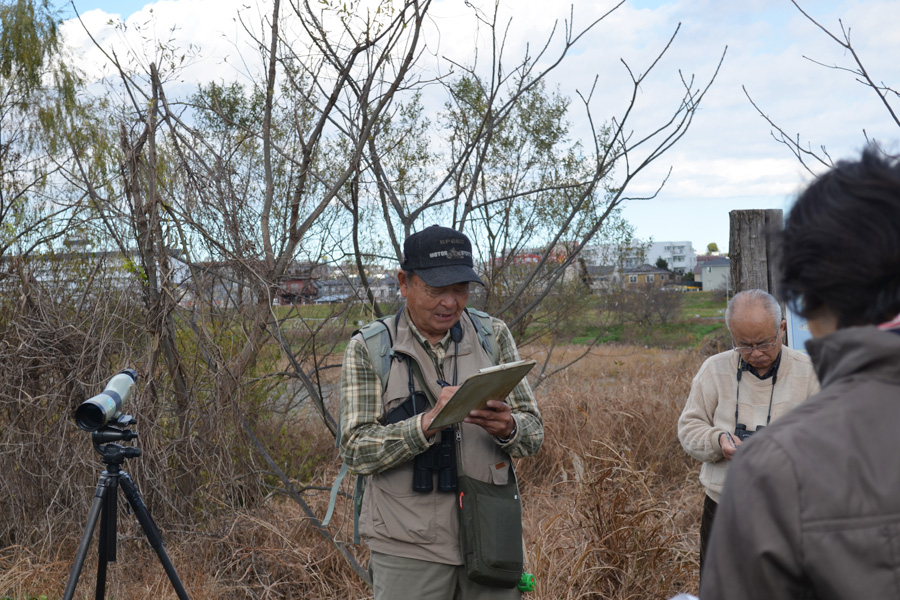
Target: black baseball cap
column 440, row 256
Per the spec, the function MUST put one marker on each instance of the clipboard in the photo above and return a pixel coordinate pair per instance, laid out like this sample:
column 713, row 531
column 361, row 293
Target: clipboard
column 490, row 383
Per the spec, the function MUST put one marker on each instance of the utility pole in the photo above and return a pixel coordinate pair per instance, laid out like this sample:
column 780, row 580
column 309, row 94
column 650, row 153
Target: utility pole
column 751, row 249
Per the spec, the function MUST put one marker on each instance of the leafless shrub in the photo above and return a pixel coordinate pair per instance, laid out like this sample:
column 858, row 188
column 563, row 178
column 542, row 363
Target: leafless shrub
column 643, row 304
column 59, row 345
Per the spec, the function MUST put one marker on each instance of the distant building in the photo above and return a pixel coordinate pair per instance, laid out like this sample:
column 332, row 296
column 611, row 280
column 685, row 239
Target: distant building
column 600, row 278
column 340, row 289
column 713, row 272
column 680, row 256
column 646, row 275
column 386, row 289
column 298, row 286
column 623, row 257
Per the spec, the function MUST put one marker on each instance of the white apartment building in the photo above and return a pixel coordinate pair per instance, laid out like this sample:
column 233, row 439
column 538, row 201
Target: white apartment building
column 679, row 255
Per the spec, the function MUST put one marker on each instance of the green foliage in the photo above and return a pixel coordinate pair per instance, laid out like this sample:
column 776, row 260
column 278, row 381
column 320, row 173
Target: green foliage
column 37, row 101
column 135, row 269
column 712, row 247
column 702, row 304
column 698, row 320
column 221, row 107
column 600, row 335
column 528, row 174
column 662, row 263
column 28, row 36
column 301, row 454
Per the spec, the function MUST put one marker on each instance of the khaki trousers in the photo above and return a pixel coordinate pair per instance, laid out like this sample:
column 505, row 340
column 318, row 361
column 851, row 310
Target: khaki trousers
column 398, row 578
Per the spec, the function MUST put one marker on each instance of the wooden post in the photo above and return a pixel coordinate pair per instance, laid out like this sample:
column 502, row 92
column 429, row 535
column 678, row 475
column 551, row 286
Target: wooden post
column 751, row 251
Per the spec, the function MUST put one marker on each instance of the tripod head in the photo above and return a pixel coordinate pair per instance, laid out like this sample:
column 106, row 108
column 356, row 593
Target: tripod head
column 112, row 453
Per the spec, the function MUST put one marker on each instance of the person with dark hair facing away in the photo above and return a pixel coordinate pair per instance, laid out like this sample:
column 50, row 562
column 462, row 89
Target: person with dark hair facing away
column 741, row 391
column 409, row 517
column 811, row 508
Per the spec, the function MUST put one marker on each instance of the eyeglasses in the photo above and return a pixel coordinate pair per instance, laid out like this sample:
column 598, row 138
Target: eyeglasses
column 763, row 347
column 458, row 290
column 749, row 349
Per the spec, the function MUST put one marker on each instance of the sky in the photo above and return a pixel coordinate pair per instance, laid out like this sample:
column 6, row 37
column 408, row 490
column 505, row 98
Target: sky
column 728, row 160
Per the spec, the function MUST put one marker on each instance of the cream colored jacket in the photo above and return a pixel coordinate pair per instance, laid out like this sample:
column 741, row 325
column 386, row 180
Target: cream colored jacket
column 709, row 410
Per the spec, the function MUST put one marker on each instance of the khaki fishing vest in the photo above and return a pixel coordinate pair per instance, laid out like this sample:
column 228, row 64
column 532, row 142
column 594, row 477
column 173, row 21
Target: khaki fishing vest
column 396, row 520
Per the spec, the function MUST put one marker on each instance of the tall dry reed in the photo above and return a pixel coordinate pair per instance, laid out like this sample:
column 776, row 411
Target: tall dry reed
column 611, row 507
column 611, row 501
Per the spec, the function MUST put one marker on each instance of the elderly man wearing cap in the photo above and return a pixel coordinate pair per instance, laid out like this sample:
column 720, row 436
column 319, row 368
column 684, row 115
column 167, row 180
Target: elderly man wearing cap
column 413, row 533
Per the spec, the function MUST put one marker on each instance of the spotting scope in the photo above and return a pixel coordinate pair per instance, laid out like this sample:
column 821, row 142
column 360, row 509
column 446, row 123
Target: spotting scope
column 106, row 406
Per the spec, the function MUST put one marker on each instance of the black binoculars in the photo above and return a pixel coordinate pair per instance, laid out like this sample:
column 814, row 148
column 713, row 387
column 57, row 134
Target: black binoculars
column 741, row 431
column 440, row 457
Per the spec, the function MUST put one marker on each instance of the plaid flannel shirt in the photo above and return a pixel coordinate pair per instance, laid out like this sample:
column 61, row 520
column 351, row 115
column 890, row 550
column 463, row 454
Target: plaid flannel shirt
column 370, row 447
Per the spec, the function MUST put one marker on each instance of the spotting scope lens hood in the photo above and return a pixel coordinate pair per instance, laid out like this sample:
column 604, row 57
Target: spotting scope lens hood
column 106, row 406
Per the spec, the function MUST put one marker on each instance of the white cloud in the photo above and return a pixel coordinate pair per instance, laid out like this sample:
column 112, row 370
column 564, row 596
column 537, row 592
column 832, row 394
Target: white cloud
column 727, row 161
column 209, row 33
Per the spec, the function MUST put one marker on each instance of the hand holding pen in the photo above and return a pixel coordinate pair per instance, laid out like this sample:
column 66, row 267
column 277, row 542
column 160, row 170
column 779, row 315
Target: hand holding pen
column 729, row 447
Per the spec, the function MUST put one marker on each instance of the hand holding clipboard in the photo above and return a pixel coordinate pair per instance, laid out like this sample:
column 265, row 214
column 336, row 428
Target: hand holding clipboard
column 490, row 383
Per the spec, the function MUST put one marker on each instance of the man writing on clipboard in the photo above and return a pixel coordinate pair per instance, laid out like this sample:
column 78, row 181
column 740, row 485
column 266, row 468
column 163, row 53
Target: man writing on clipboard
column 409, row 523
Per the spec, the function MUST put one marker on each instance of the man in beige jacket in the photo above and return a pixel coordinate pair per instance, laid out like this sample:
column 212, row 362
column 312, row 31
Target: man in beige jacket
column 737, row 392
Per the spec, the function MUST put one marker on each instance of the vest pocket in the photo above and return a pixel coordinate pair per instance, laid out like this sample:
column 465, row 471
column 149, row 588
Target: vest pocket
column 500, row 472
column 482, row 457
column 395, row 511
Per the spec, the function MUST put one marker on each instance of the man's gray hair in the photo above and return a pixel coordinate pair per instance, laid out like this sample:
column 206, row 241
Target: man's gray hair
column 750, row 297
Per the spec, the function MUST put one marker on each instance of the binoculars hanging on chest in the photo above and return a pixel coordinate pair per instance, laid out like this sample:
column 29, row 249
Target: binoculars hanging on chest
column 742, row 433
column 439, row 458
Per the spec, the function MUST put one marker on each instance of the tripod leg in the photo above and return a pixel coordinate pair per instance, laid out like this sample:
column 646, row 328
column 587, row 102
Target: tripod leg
column 96, row 506
column 152, row 533
column 107, row 541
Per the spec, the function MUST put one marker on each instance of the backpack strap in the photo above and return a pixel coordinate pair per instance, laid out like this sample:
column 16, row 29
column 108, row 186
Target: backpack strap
column 332, row 498
column 485, row 330
column 377, row 336
column 379, row 343
column 358, row 490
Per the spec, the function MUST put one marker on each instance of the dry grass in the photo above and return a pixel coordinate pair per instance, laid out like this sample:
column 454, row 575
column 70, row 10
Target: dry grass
column 611, row 501
column 611, row 508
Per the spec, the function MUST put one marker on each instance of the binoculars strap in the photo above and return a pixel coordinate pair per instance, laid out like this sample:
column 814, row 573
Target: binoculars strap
column 416, row 372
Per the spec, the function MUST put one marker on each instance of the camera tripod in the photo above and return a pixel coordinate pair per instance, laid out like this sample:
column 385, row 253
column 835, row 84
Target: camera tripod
column 104, row 509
